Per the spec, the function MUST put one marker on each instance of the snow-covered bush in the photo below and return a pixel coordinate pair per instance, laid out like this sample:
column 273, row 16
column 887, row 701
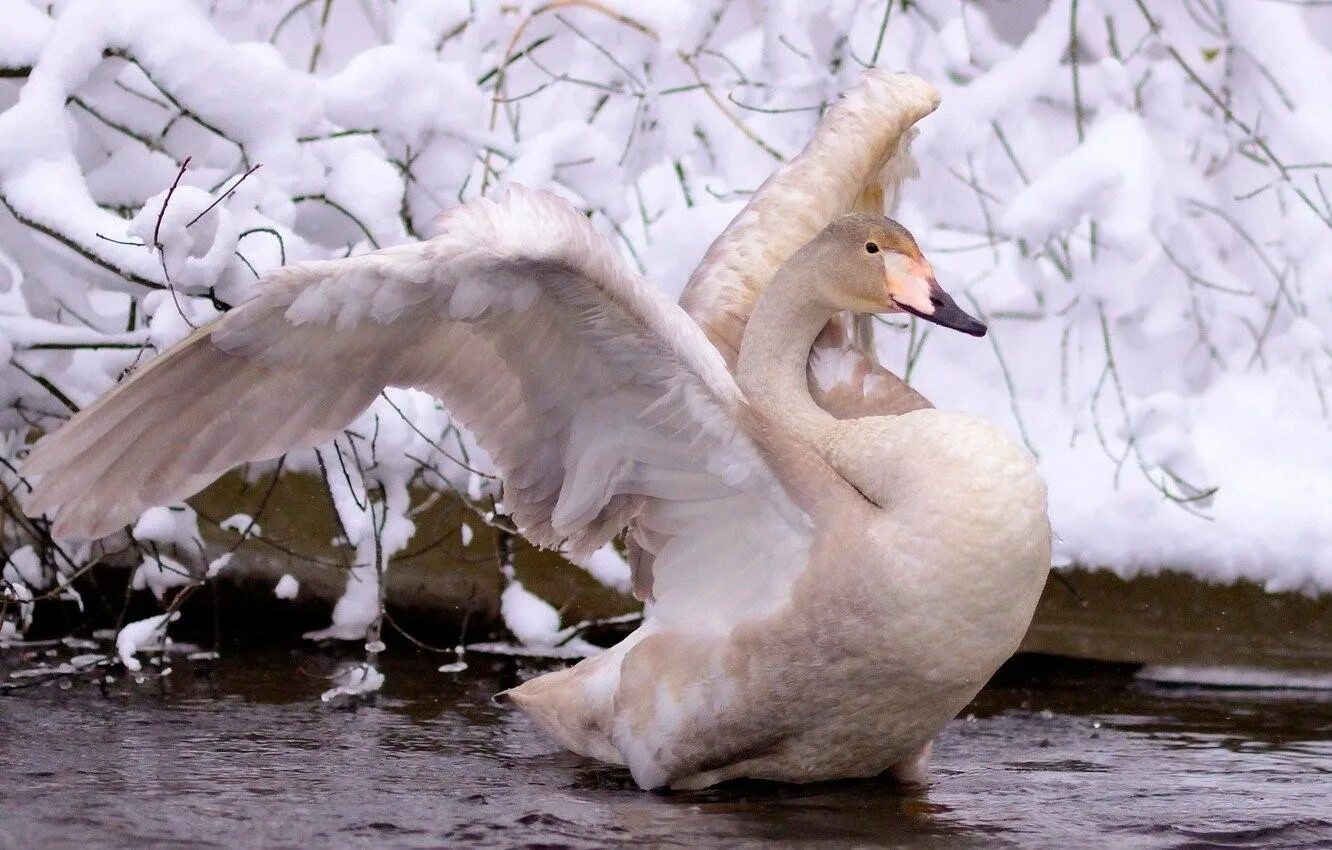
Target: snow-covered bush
column 1131, row 193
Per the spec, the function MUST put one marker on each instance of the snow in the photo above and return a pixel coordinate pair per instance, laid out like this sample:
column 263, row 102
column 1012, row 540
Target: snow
column 1113, row 176
column 175, row 525
column 536, row 623
column 17, row 591
column 28, row 31
column 1237, row 678
column 287, row 587
column 608, row 567
column 530, row 618
column 24, row 567
column 241, row 523
column 218, row 564
column 375, row 529
column 1159, row 289
column 160, row 573
column 22, row 577
column 197, row 244
column 139, row 635
column 371, row 189
column 355, row 682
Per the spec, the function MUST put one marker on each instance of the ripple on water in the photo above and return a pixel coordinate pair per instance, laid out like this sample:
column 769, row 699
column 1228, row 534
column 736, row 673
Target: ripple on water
column 1299, row 833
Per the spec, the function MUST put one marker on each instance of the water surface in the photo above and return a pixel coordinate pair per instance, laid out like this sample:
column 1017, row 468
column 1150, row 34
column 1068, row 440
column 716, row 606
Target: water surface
column 241, row 752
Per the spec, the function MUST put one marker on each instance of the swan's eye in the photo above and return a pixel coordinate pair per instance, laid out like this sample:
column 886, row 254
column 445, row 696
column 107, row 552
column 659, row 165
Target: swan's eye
column 871, row 248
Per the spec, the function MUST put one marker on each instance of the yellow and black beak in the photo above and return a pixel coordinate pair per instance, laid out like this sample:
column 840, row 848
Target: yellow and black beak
column 940, row 308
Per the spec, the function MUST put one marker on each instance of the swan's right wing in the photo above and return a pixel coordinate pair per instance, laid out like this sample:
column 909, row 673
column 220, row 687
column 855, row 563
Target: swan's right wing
column 597, row 398
column 857, row 161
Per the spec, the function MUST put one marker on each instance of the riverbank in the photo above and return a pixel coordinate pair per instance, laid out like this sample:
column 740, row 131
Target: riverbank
column 1170, row 618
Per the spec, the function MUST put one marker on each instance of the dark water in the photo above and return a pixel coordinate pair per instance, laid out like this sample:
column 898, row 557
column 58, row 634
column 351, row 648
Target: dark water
column 241, row 752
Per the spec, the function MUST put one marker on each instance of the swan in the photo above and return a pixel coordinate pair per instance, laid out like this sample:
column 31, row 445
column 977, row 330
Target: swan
column 825, row 592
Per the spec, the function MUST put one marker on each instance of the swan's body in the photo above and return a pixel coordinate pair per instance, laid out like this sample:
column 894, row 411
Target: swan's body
column 827, row 592
column 924, row 551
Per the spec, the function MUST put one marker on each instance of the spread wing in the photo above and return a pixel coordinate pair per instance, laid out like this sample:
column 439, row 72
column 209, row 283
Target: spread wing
column 597, row 398
column 857, row 160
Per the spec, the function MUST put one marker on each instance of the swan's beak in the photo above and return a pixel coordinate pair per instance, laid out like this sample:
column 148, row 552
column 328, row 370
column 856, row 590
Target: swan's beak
column 935, row 305
column 913, row 289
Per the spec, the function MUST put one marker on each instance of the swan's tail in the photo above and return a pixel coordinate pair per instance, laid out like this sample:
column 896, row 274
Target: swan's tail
column 576, row 706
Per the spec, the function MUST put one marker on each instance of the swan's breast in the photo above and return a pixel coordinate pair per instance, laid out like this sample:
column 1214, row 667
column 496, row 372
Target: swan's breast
column 932, row 456
column 960, row 548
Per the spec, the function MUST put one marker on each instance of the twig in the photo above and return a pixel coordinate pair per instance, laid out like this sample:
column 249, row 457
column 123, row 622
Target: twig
column 337, row 134
column 282, row 245
column 883, row 29
column 82, row 251
column 324, row 199
column 278, row 546
column 1078, row 114
column 146, row 141
column 157, row 243
column 351, row 488
column 633, row 78
column 771, row 110
column 249, row 265
column 319, row 37
column 1230, row 116
column 48, row 386
column 78, row 346
column 436, row 446
column 184, row 111
column 730, row 116
column 263, row 503
column 224, row 195
column 285, row 19
column 1008, row 379
column 157, row 228
column 121, row 241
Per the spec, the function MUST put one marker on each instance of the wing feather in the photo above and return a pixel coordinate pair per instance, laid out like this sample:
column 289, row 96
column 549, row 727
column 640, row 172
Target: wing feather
column 597, row 398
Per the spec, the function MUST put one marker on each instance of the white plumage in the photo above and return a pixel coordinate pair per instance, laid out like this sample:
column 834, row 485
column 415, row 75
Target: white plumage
column 518, row 315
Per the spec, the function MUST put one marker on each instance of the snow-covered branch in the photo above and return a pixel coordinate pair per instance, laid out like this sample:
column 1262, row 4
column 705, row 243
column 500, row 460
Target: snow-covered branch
column 1134, row 194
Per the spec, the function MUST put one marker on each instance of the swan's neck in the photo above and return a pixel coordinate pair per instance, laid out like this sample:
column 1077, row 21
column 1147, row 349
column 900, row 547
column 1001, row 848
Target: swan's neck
column 774, row 353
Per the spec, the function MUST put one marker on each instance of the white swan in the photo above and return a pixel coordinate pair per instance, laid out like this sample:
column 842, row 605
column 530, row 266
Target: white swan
column 827, row 593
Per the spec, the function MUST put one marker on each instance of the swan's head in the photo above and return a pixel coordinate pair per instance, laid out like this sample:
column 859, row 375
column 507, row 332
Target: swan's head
column 875, row 266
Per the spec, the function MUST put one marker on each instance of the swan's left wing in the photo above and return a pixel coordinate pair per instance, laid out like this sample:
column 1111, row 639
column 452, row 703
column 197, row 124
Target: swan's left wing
column 596, row 397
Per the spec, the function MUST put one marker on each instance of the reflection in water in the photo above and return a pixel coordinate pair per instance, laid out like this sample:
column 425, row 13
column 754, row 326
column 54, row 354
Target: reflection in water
column 241, row 752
